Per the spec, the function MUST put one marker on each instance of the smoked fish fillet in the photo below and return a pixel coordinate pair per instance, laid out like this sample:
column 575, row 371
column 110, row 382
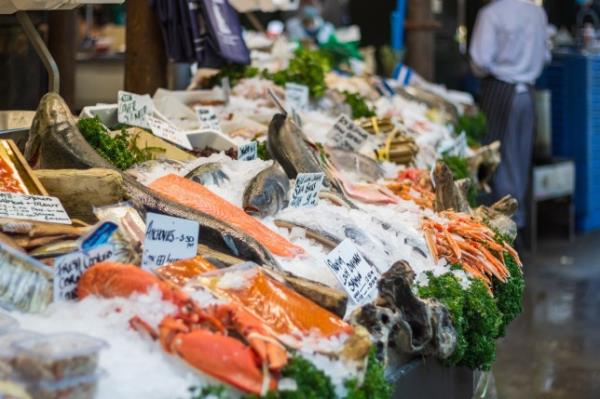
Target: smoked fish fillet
column 181, row 271
column 196, row 196
column 282, row 309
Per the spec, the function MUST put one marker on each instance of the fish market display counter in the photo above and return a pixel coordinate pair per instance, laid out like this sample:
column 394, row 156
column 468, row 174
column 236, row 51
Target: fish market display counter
column 209, row 243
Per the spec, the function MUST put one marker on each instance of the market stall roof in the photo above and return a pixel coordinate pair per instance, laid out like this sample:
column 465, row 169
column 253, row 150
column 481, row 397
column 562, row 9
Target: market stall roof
column 12, row 6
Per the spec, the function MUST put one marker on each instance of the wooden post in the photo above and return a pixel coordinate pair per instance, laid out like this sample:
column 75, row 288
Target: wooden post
column 145, row 58
column 62, row 44
column 420, row 44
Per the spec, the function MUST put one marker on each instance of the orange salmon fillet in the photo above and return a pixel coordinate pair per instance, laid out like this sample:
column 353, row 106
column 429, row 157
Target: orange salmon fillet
column 196, row 196
column 181, row 271
column 284, row 310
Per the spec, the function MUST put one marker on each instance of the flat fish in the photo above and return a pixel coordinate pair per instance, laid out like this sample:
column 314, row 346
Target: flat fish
column 196, row 196
column 209, row 173
column 267, row 192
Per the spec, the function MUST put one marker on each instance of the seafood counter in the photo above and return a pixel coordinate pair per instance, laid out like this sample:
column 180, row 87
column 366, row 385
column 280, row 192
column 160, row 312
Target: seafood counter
column 254, row 243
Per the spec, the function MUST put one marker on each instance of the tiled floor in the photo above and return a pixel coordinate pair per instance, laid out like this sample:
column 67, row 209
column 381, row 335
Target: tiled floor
column 553, row 349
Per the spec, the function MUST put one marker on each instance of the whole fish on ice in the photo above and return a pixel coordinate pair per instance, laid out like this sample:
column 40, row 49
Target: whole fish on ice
column 209, row 174
column 267, row 192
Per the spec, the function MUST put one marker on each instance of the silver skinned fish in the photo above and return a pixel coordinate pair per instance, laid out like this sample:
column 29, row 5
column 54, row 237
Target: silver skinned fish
column 267, row 192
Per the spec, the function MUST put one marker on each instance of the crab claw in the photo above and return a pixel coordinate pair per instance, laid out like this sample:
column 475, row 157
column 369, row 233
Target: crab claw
column 252, row 329
column 220, row 356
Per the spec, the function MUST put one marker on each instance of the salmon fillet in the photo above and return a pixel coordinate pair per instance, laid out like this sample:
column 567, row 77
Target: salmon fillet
column 285, row 311
column 196, row 196
column 181, row 271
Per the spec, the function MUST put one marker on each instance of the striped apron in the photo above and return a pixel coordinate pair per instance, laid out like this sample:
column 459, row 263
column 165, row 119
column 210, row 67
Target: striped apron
column 510, row 112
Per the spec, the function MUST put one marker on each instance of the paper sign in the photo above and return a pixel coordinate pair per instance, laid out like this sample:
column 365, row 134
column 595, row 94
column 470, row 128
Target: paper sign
column 37, row 208
column 347, row 135
column 353, row 272
column 457, row 147
column 248, row 152
column 69, row 268
column 99, row 236
column 226, row 86
column 168, row 239
column 306, row 191
column 296, row 96
column 208, row 118
column 168, row 132
column 133, row 109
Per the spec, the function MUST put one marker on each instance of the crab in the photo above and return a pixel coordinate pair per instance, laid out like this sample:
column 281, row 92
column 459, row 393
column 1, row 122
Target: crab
column 224, row 341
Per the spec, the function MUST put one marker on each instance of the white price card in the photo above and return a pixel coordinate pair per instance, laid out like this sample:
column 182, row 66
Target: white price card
column 226, row 86
column 69, row 268
column 133, row 109
column 208, row 118
column 168, row 239
column 353, row 272
column 248, row 152
column 168, row 132
column 347, row 135
column 39, row 208
column 306, row 190
column 296, row 96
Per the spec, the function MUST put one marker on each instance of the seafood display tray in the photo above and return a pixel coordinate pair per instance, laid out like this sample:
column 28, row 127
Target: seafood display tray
column 10, row 153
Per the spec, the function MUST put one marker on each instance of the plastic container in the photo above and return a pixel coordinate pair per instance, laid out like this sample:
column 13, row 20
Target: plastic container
column 57, row 356
column 9, row 339
column 7, row 323
column 82, row 387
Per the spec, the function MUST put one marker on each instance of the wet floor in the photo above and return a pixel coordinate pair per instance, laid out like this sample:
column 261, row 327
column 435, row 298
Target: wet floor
column 552, row 351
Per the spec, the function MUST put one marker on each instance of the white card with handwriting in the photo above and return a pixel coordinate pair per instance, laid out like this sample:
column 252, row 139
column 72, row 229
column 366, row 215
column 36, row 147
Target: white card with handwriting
column 168, row 239
column 353, row 272
column 133, row 108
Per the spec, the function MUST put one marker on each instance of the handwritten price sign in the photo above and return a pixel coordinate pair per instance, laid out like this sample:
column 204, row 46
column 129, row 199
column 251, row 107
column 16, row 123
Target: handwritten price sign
column 38, row 208
column 69, row 268
column 347, row 135
column 353, row 272
column 133, row 109
column 307, row 189
column 168, row 239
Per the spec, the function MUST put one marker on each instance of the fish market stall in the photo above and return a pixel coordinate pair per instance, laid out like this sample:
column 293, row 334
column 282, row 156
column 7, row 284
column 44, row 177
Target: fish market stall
column 273, row 232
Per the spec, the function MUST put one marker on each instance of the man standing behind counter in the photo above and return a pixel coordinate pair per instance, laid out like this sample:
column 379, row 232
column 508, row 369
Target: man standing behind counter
column 508, row 51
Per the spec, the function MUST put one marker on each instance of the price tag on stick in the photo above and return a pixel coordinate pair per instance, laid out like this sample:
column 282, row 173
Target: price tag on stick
column 307, row 189
column 168, row 132
column 39, row 208
column 248, row 152
column 347, row 135
column 353, row 272
column 168, row 239
column 133, row 109
column 69, row 268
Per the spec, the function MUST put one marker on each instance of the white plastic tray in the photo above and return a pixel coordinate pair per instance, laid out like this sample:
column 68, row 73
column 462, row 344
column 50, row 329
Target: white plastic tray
column 11, row 6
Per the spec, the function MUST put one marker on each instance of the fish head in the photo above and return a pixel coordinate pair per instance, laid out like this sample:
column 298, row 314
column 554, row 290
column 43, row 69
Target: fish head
column 261, row 204
column 55, row 140
column 52, row 111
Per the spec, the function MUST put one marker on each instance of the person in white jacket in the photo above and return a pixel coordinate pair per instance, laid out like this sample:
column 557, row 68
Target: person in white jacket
column 509, row 49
